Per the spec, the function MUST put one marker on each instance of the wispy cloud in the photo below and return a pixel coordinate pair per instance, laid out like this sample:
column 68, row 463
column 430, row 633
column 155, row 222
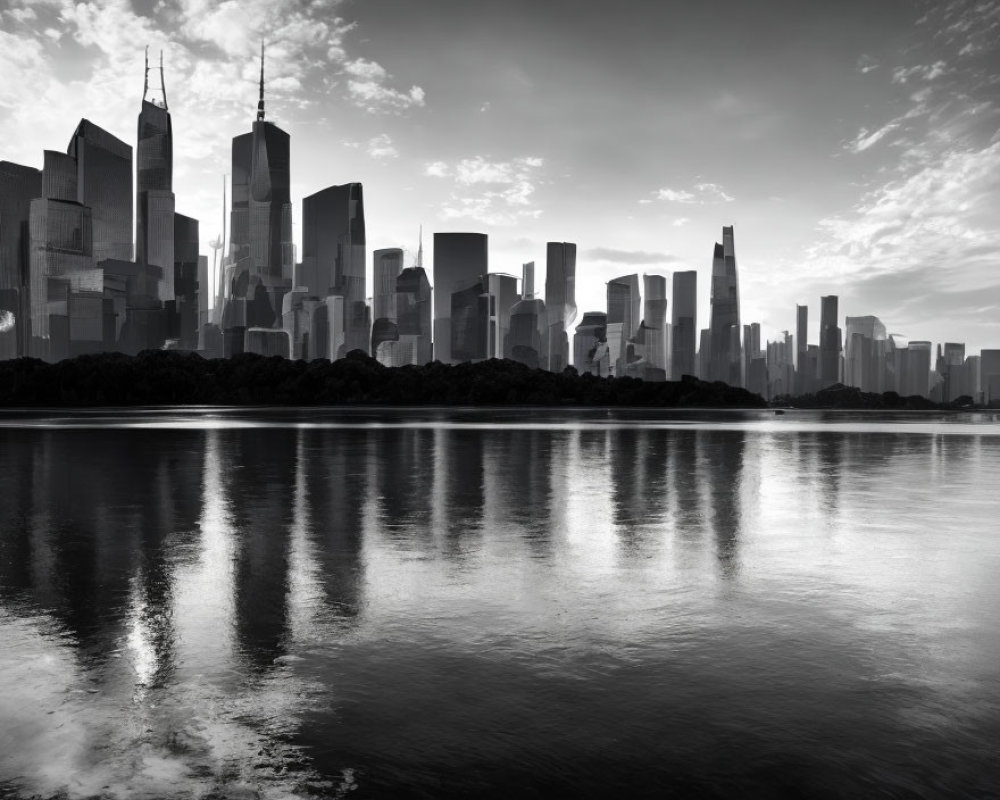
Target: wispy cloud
column 866, row 139
column 867, row 64
column 367, row 87
column 920, row 72
column 494, row 192
column 628, row 256
column 381, row 146
column 701, row 193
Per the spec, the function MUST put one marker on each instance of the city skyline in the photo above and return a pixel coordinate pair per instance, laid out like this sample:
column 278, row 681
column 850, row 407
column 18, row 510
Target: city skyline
column 899, row 127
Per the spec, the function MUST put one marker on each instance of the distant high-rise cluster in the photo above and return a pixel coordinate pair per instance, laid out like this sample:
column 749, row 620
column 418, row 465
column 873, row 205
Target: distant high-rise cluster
column 73, row 281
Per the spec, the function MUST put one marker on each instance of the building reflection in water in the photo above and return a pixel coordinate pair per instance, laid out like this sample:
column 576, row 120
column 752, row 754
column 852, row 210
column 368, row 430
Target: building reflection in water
column 460, row 485
column 640, row 494
column 403, row 462
column 336, row 466
column 518, row 476
column 720, row 475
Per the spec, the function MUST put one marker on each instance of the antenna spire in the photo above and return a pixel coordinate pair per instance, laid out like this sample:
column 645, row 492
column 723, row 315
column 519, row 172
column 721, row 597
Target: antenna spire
column 163, row 83
column 145, row 80
column 260, row 102
column 420, row 249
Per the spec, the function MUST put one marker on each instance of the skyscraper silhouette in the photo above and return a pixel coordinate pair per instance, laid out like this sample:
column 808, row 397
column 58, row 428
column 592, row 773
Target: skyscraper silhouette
column 684, row 324
column 830, row 341
column 388, row 264
column 333, row 257
column 624, row 306
column 654, row 321
column 413, row 316
column 527, row 339
column 590, row 334
column 560, row 301
column 261, row 256
column 154, row 196
column 724, row 324
column 19, row 185
column 61, row 256
column 459, row 260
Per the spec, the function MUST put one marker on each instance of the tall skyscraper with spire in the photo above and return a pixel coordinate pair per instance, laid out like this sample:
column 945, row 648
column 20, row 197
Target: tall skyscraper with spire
column 154, row 195
column 261, row 255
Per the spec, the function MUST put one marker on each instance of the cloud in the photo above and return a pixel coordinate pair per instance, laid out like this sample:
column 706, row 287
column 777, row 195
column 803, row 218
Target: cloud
column 867, row 64
column 675, row 196
column 701, row 193
column 864, row 139
column 629, row 256
column 367, row 89
column 436, row 169
column 680, row 222
column 502, row 192
column 939, row 211
column 381, row 147
column 924, row 72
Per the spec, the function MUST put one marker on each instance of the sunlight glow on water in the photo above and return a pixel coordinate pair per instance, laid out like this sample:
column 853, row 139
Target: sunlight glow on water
column 353, row 605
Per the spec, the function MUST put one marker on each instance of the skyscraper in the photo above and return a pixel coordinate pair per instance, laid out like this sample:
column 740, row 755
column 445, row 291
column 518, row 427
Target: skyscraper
column 19, row 185
column 104, row 185
column 182, row 319
column 459, row 259
column 501, row 290
column 624, row 306
column 654, row 321
column 527, row 338
column 830, row 343
column 864, row 353
column 590, row 334
column 388, row 265
column 154, row 196
column 260, row 263
column 684, row 324
column 61, row 258
column 560, row 301
column 413, row 317
column 469, row 321
column 333, row 257
column 724, row 325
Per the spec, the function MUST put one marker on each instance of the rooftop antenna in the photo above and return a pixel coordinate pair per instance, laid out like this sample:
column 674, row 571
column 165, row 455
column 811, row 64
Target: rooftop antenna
column 420, row 249
column 163, row 84
column 145, row 80
column 260, row 102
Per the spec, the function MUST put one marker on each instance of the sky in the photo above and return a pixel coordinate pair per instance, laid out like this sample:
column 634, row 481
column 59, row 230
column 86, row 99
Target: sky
column 854, row 146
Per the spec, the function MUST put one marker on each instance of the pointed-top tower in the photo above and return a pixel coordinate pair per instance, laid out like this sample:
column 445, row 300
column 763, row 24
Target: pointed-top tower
column 260, row 101
column 163, row 83
column 420, row 248
column 145, row 78
column 154, row 219
column 261, row 254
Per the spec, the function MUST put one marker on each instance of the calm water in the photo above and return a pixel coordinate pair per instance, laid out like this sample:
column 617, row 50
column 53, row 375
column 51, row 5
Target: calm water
column 511, row 604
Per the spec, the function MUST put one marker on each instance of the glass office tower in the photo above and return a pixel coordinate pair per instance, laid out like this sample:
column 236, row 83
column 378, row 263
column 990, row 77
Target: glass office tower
column 19, row 185
column 560, row 301
column 333, row 257
column 154, row 195
column 684, row 325
column 459, row 260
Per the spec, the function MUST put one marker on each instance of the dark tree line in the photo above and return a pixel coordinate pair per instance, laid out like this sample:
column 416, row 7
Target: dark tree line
column 156, row 377
column 850, row 397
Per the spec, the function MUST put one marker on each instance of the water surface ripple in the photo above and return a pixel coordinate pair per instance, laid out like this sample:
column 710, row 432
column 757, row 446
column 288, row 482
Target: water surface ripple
column 436, row 603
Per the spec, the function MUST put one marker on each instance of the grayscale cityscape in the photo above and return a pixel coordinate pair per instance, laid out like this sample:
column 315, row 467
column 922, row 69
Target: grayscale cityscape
column 514, row 399
column 71, row 282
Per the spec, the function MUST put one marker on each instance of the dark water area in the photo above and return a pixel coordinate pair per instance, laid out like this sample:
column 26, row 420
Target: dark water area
column 516, row 603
